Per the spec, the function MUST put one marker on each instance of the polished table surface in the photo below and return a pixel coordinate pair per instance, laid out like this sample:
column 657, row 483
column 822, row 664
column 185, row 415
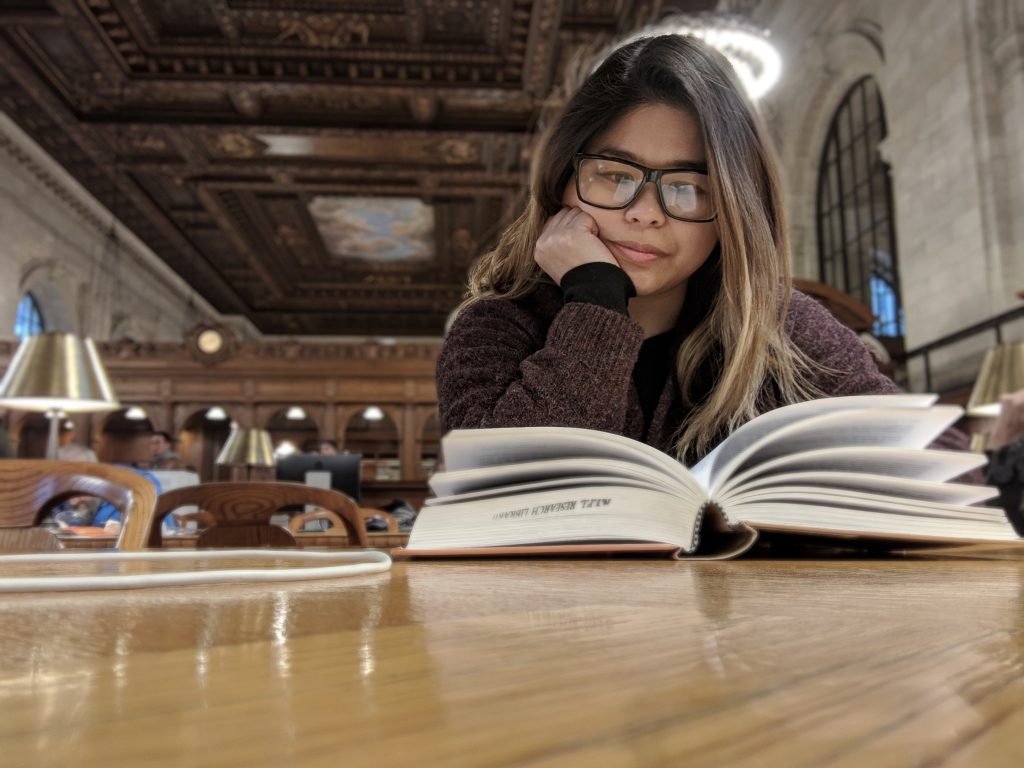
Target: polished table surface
column 846, row 662
column 97, row 538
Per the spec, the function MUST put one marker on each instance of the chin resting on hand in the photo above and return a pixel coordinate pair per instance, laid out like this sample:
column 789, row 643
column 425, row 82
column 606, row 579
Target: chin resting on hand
column 570, row 238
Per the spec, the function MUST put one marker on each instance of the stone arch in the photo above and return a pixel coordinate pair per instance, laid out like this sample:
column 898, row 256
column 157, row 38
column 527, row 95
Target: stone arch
column 300, row 433
column 428, row 439
column 381, row 445
column 122, row 440
column 38, row 278
column 200, row 439
column 127, row 327
column 847, row 56
column 355, row 410
column 856, row 207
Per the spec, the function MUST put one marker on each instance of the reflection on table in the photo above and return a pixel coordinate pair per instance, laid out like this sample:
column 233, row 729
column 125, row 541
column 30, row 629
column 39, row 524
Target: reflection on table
column 571, row 662
column 97, row 538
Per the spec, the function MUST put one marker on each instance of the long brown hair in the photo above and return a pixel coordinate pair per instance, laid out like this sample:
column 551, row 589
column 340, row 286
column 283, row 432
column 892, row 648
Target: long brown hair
column 744, row 328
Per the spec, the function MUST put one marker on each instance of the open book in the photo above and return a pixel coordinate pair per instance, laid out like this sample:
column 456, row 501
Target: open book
column 838, row 467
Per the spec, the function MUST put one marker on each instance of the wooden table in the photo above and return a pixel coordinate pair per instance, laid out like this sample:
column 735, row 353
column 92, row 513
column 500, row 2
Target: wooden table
column 303, row 539
column 540, row 663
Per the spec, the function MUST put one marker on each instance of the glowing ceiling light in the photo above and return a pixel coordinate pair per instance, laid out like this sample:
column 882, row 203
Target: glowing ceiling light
column 373, row 413
column 135, row 414
column 757, row 63
column 295, row 413
column 755, row 60
column 216, row 413
column 284, row 448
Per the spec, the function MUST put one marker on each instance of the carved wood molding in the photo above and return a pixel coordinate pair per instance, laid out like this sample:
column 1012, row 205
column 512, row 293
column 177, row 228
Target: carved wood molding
column 210, row 127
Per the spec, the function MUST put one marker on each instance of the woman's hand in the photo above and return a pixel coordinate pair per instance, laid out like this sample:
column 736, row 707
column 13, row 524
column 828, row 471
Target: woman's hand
column 1009, row 426
column 569, row 238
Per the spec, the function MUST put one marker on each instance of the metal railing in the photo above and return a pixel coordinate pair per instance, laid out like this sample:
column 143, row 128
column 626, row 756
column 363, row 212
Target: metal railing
column 925, row 350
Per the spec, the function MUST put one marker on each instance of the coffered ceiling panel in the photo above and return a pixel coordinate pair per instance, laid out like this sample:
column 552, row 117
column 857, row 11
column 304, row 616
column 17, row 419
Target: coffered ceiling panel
column 320, row 166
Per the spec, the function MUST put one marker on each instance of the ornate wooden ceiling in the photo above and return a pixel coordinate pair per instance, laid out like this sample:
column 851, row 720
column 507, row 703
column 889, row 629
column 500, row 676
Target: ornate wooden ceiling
column 320, row 166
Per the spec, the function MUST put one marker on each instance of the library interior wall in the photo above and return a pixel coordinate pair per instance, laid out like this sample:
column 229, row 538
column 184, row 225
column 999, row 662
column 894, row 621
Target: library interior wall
column 55, row 243
column 951, row 73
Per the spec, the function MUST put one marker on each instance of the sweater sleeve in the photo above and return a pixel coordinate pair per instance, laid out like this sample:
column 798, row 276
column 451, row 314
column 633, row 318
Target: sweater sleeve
column 508, row 364
column 598, row 283
column 1005, row 471
column 845, row 367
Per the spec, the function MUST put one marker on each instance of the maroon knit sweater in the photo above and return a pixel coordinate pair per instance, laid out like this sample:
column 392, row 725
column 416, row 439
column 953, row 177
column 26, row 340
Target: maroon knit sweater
column 535, row 362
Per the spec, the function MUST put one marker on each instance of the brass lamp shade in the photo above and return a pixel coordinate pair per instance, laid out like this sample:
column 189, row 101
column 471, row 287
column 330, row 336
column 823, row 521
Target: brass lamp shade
column 58, row 372
column 249, row 447
column 1002, row 372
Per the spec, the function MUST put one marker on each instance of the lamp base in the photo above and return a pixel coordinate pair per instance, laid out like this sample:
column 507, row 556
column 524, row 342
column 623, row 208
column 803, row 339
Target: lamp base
column 242, row 472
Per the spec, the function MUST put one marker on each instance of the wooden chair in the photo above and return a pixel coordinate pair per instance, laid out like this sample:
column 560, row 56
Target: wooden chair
column 337, row 527
column 30, row 488
column 844, row 307
column 380, row 514
column 298, row 522
column 238, row 513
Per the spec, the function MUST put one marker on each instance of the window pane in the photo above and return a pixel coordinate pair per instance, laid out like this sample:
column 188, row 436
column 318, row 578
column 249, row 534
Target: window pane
column 854, row 209
column 28, row 320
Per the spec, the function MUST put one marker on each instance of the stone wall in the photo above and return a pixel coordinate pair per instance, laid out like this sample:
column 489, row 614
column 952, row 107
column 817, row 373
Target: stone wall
column 951, row 73
column 56, row 242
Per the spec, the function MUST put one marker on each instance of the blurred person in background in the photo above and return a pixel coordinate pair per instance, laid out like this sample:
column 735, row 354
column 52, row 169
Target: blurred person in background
column 68, row 449
column 161, row 445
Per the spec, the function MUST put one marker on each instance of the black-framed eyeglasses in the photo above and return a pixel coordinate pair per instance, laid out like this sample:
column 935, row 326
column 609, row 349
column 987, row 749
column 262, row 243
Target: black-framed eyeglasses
column 613, row 183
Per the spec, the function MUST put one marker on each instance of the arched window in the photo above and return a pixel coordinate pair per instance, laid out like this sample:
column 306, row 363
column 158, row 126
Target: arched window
column 856, row 235
column 29, row 320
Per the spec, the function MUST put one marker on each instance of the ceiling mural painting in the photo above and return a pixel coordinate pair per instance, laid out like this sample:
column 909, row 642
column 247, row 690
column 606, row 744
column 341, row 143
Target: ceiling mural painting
column 378, row 230
column 319, row 166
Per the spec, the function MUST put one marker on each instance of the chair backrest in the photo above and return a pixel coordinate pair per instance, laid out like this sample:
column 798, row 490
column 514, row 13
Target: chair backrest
column 337, row 527
column 369, row 513
column 30, row 488
column 250, row 504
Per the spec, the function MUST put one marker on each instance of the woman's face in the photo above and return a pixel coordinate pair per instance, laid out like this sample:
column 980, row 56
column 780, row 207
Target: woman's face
column 658, row 252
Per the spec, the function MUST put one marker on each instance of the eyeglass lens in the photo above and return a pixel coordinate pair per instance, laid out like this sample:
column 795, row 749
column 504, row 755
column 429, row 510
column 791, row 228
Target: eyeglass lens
column 609, row 183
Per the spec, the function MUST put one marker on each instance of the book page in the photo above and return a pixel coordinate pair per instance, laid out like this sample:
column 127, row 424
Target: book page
column 711, row 467
column 465, row 480
column 921, row 463
column 882, row 519
column 470, row 448
column 819, row 484
column 577, row 481
column 595, row 513
column 855, row 505
column 886, row 427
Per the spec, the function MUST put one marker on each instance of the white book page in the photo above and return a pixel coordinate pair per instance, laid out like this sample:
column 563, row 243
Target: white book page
column 892, row 427
column 708, row 469
column 882, row 521
column 921, row 463
column 862, row 506
column 579, row 481
column 601, row 513
column 469, row 448
column 465, row 480
column 822, row 483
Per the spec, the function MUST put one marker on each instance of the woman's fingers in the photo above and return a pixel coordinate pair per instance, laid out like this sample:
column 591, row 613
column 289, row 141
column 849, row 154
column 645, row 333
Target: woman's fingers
column 1009, row 426
column 569, row 239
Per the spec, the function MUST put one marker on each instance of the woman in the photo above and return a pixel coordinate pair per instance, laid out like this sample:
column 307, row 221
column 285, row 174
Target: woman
column 646, row 289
